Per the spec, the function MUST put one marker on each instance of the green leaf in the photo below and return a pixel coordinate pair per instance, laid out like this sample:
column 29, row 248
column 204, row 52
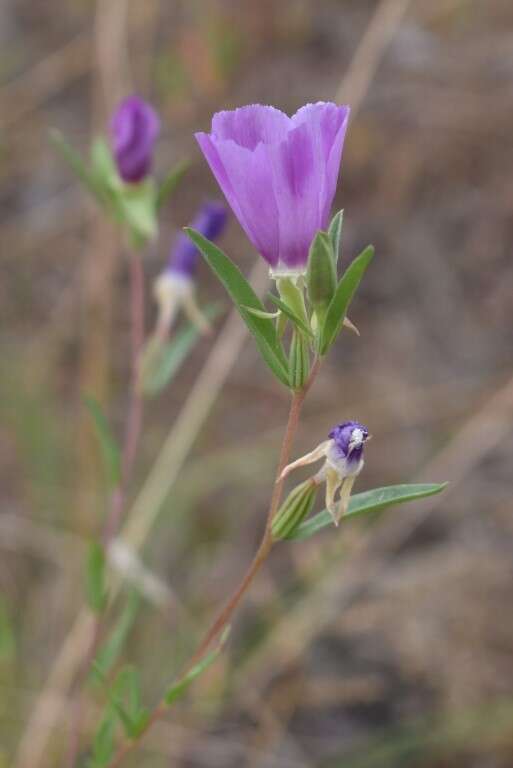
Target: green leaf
column 370, row 501
column 109, row 448
column 298, row 322
column 96, row 591
column 76, row 164
column 126, row 699
column 335, row 234
column 161, row 361
column 179, row 688
column 108, row 655
column 171, row 182
column 341, row 300
column 103, row 742
column 244, row 297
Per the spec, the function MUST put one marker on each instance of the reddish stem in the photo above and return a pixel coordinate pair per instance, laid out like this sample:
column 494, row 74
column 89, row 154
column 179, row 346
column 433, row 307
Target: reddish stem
column 261, row 556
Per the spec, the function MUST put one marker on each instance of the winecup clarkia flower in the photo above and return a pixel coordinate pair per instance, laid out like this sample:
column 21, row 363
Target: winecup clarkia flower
column 174, row 288
column 134, row 128
column 279, row 175
column 343, row 455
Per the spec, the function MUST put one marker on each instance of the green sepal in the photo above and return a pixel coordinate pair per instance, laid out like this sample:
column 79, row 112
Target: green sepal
column 299, row 360
column 96, row 591
column 138, row 210
column 243, row 296
column 103, row 166
column 335, row 234
column 296, row 507
column 367, row 502
column 291, row 315
column 340, row 302
column 178, row 688
column 171, row 182
column 109, row 448
column 262, row 314
column 321, row 277
column 292, row 296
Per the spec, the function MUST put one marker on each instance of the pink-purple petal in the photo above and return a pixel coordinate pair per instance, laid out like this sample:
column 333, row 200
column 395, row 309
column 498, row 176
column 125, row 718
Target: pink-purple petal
column 279, row 174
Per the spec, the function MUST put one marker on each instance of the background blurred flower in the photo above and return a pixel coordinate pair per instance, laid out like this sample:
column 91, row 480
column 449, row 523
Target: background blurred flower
column 210, row 221
column 134, row 128
column 279, row 174
column 174, row 288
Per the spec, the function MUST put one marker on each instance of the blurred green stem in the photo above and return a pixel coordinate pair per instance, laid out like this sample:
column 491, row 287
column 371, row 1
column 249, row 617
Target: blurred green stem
column 129, row 452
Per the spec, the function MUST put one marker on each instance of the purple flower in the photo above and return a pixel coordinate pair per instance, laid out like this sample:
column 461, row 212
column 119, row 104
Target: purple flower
column 348, row 438
column 134, row 129
column 278, row 174
column 210, row 222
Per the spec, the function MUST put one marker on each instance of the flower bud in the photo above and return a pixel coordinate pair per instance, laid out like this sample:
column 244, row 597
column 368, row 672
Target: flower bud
column 321, row 278
column 294, row 509
column 134, row 127
column 210, row 221
column 299, row 360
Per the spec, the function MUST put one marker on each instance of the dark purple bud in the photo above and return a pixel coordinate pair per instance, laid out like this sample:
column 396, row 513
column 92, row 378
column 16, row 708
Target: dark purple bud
column 278, row 174
column 349, row 437
column 210, row 222
column 134, row 129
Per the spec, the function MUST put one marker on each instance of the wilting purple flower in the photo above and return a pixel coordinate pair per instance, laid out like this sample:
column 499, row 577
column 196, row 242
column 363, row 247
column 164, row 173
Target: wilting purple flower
column 210, row 222
column 134, row 129
column 343, row 462
column 278, row 174
column 174, row 288
column 348, row 439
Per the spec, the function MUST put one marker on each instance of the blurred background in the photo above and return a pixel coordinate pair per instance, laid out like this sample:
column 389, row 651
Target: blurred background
column 389, row 643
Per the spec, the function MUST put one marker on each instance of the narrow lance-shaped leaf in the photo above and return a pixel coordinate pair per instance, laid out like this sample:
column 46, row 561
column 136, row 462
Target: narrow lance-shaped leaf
column 108, row 446
column 341, row 300
column 108, row 654
column 103, row 742
column 76, row 163
column 369, row 501
column 179, row 688
column 243, row 296
column 335, row 234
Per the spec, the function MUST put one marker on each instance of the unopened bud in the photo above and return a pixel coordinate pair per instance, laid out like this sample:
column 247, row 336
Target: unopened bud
column 296, row 507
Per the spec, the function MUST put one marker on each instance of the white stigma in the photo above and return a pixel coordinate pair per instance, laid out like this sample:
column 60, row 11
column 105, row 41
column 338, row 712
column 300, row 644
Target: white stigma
column 356, row 438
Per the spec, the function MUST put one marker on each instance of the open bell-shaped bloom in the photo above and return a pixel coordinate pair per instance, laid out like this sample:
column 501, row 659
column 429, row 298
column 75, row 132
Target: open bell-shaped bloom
column 134, row 128
column 279, row 175
column 343, row 462
column 174, row 288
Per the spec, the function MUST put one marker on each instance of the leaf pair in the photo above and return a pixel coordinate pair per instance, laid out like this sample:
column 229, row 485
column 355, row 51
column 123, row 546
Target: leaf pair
column 367, row 502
